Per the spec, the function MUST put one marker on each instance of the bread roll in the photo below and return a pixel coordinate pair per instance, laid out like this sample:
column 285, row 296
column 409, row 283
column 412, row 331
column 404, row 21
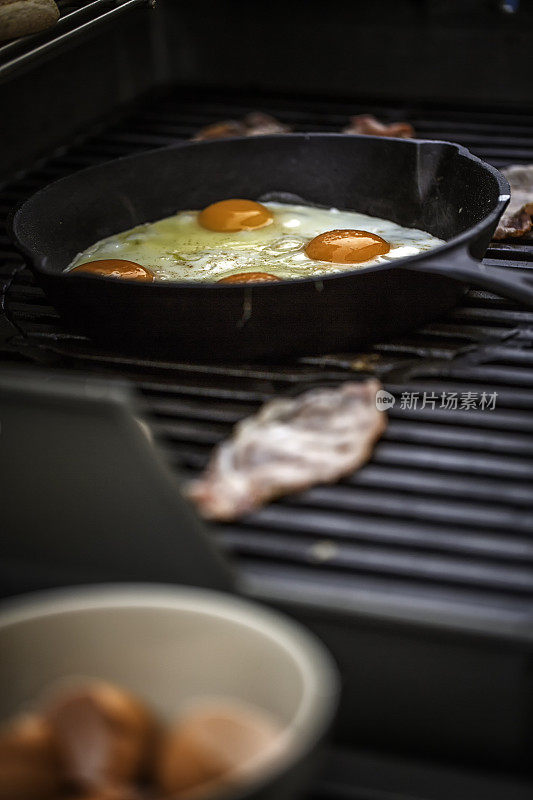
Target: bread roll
column 21, row 17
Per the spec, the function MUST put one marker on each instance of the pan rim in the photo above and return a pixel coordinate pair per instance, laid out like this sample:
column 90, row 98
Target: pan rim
column 492, row 217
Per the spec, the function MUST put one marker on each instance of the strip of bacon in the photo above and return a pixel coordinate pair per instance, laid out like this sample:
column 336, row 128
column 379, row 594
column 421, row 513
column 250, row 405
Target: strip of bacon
column 369, row 125
column 254, row 124
column 290, row 445
column 518, row 218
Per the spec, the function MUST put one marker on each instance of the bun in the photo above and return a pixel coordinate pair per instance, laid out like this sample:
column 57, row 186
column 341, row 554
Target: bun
column 21, row 17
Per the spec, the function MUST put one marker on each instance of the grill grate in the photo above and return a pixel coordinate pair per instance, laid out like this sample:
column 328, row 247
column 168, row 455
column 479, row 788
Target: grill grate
column 442, row 517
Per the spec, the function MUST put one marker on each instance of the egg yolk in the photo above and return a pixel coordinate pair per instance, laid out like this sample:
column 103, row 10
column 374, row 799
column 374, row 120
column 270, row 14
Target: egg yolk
column 235, row 215
column 249, row 277
column 346, row 247
column 116, row 268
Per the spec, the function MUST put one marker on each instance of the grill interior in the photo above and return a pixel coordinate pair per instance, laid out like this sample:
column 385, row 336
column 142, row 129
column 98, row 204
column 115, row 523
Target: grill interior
column 435, row 531
column 443, row 514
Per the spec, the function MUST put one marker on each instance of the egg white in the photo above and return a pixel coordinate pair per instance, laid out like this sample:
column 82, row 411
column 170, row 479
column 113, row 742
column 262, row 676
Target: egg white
column 177, row 248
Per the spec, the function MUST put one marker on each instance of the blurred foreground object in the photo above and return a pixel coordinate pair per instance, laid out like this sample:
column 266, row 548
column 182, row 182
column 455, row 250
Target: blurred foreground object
column 101, row 742
column 29, row 764
column 213, row 746
column 22, row 17
column 248, row 693
column 104, row 736
column 120, row 793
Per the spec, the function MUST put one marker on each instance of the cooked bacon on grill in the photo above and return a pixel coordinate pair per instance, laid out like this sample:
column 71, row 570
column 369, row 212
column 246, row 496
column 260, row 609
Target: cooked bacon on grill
column 21, row 17
column 258, row 124
column 518, row 218
column 516, row 225
column 254, row 124
column 368, row 125
column 288, row 446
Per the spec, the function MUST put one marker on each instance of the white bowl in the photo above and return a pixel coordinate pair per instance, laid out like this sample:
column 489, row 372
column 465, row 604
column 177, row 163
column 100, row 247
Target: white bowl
column 170, row 645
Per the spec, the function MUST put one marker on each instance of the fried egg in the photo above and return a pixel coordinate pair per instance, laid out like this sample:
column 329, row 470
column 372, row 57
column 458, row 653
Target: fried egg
column 242, row 240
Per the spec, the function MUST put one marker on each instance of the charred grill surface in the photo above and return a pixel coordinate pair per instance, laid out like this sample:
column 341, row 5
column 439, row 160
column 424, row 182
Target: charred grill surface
column 444, row 511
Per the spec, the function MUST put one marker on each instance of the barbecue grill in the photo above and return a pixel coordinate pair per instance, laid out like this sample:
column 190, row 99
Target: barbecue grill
column 418, row 570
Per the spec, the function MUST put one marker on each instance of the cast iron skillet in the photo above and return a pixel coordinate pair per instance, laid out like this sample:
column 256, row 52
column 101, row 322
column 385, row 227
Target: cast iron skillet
column 437, row 186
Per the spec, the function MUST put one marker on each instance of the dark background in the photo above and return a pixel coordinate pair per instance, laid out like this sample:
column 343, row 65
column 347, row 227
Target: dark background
column 456, row 51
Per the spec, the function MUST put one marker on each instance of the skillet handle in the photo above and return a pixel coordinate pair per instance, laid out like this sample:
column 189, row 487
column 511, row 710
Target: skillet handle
column 459, row 264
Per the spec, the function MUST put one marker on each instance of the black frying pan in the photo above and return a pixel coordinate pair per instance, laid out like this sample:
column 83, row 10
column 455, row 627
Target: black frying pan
column 436, row 186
